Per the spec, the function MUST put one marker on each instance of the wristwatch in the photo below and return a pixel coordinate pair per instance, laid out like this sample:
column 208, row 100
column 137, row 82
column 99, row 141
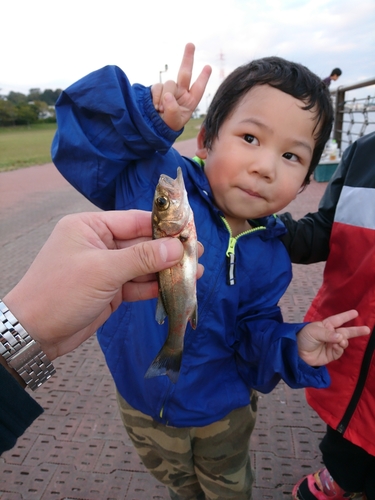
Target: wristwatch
column 21, row 352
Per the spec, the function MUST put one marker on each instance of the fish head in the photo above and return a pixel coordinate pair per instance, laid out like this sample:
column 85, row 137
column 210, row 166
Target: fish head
column 170, row 212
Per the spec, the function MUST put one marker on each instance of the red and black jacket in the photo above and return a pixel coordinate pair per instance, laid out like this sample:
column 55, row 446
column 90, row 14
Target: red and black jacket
column 343, row 233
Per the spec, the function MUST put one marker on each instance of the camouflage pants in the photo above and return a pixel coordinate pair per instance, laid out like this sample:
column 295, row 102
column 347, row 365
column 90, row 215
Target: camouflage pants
column 196, row 463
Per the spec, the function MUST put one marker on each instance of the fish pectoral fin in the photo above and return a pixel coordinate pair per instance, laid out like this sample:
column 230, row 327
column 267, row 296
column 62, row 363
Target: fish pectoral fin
column 194, row 318
column 160, row 314
column 184, row 235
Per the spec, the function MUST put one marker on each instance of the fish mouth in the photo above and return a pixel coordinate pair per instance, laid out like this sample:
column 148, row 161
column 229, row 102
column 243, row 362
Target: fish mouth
column 167, row 181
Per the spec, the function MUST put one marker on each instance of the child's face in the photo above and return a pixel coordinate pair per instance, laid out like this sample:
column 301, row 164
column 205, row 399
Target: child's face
column 261, row 157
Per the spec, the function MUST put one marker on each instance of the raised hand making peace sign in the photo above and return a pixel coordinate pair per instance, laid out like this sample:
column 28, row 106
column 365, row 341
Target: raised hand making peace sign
column 176, row 101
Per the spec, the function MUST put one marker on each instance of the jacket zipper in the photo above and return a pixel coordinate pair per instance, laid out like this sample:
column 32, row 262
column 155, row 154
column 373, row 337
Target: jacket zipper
column 353, row 403
column 230, row 253
column 162, row 408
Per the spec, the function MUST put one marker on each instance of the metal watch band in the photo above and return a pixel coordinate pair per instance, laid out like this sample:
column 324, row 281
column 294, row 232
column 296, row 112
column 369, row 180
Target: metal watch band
column 21, row 352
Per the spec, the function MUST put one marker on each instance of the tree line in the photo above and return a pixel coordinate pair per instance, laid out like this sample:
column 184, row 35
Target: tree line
column 21, row 109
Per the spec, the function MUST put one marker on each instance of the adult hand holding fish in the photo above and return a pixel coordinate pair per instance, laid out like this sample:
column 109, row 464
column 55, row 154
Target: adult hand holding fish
column 176, row 101
column 88, row 266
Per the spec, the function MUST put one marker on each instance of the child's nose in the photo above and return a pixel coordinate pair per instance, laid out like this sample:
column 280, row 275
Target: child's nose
column 265, row 165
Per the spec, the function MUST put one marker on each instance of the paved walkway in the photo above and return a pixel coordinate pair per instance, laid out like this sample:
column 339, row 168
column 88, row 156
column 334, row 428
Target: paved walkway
column 78, row 449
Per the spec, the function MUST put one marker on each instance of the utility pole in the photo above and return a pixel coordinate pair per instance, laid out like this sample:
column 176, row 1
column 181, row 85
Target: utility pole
column 222, row 59
column 163, row 71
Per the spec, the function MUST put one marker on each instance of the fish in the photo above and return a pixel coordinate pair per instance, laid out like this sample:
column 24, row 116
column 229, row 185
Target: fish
column 177, row 298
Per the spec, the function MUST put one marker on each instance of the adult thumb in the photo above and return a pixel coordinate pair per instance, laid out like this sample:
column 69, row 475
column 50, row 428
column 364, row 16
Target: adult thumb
column 149, row 257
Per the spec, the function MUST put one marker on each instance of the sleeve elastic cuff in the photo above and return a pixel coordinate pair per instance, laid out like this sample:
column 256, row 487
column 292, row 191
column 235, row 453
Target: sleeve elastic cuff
column 18, row 410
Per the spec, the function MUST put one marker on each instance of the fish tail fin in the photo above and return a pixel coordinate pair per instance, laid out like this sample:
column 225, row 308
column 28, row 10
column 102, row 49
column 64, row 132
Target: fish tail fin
column 167, row 362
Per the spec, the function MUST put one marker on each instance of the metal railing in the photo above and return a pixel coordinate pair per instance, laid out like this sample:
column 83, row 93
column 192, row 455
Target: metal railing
column 354, row 115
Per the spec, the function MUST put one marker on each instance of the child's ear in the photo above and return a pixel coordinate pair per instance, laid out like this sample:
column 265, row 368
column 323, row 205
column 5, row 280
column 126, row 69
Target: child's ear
column 201, row 151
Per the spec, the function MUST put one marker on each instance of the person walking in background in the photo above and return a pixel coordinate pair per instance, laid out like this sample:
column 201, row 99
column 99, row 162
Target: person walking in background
column 343, row 233
column 263, row 135
column 335, row 74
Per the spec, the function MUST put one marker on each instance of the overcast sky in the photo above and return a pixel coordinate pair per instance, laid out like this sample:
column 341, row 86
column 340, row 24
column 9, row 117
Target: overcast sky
column 50, row 44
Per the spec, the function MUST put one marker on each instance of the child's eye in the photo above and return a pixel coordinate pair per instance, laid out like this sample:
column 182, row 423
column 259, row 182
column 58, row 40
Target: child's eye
column 251, row 139
column 290, row 156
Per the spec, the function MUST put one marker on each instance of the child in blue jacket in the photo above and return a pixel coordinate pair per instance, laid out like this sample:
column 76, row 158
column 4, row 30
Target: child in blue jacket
column 261, row 140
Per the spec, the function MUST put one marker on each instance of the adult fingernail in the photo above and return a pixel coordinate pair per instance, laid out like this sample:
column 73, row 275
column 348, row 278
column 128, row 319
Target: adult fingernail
column 170, row 250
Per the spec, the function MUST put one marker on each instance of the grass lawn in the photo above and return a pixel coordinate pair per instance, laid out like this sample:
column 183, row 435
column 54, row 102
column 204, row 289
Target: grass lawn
column 191, row 129
column 27, row 146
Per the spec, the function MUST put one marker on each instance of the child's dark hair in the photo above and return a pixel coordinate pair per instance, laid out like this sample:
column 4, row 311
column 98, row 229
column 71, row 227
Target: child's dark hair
column 291, row 78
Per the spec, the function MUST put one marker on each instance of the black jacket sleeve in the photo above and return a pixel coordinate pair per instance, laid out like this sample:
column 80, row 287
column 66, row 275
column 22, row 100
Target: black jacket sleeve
column 307, row 239
column 18, row 410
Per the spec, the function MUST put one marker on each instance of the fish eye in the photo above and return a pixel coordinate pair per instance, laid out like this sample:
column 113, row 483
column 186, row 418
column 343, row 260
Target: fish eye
column 162, row 202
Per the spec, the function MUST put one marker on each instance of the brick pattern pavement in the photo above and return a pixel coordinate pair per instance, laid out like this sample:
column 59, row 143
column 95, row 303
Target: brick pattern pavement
column 78, row 448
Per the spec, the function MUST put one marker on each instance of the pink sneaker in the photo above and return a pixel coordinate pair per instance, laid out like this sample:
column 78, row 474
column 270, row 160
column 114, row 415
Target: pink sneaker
column 321, row 486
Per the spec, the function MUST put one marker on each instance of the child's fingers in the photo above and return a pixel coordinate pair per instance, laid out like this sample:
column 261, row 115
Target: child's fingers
column 186, row 68
column 185, row 73
column 341, row 336
column 171, row 112
column 157, row 92
column 199, row 86
column 337, row 351
column 340, row 319
column 353, row 331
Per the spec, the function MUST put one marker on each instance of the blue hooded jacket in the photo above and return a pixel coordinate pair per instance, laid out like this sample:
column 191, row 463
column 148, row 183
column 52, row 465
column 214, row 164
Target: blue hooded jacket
column 112, row 146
